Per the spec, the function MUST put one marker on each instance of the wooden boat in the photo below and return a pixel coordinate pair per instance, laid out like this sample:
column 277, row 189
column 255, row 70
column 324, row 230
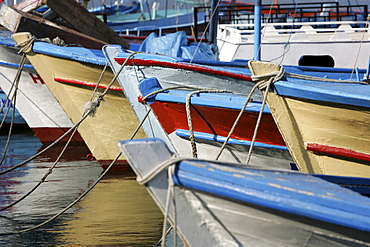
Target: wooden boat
column 201, row 72
column 301, row 40
column 71, row 74
column 211, row 203
column 212, row 112
column 323, row 122
column 40, row 110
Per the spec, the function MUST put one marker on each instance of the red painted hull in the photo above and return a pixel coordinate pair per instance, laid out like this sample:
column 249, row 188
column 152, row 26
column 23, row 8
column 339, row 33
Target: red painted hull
column 217, row 121
column 49, row 135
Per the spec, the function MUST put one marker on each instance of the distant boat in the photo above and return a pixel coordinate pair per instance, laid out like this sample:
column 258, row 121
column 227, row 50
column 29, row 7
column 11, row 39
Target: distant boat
column 335, row 36
column 324, row 122
column 211, row 203
column 138, row 18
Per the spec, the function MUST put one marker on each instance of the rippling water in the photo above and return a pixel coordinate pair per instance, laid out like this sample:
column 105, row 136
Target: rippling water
column 117, row 212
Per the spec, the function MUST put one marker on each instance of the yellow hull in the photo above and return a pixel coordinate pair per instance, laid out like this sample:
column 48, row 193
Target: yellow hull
column 304, row 123
column 114, row 120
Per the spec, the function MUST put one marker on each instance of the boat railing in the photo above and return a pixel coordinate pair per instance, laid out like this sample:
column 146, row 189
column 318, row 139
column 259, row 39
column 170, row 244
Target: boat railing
column 286, row 13
column 243, row 32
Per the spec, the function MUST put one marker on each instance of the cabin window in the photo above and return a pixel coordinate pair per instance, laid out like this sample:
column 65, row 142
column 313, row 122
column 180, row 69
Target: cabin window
column 316, row 61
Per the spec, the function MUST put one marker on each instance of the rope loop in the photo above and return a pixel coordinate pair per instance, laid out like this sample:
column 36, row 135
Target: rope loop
column 90, row 108
column 267, row 79
column 25, row 45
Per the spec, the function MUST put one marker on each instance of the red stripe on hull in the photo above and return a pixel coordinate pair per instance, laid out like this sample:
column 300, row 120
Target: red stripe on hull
column 49, row 135
column 87, row 84
column 217, row 121
column 185, row 66
column 335, row 151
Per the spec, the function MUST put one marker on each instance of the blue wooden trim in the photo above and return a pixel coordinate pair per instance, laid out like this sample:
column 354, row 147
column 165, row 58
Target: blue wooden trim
column 28, row 66
column 221, row 139
column 294, row 193
column 220, row 100
column 343, row 93
column 80, row 54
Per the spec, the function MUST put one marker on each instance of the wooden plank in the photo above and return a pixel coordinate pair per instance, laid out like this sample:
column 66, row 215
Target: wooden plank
column 28, row 5
column 82, row 20
column 19, row 21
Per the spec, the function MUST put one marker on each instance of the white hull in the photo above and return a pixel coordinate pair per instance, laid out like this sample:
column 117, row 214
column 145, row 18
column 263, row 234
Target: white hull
column 35, row 102
column 347, row 46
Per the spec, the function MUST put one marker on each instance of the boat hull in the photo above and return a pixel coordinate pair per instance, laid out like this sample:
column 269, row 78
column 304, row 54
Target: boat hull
column 73, row 83
column 225, row 204
column 304, row 124
column 211, row 123
column 41, row 111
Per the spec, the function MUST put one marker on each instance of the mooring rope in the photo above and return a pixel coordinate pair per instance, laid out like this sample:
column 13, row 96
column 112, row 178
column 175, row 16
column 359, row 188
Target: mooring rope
column 189, row 118
column 87, row 191
column 236, row 121
column 263, row 83
column 362, row 41
column 66, row 208
column 44, row 177
column 14, row 99
column 170, row 197
column 89, row 111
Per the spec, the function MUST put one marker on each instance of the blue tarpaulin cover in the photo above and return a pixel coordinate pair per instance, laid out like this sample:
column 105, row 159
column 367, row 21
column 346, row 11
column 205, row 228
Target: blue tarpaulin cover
column 176, row 45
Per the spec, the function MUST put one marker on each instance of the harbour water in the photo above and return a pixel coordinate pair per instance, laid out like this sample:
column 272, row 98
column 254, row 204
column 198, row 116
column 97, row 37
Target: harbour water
column 116, row 212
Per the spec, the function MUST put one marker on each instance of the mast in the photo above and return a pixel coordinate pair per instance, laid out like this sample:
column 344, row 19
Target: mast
column 257, row 29
column 214, row 22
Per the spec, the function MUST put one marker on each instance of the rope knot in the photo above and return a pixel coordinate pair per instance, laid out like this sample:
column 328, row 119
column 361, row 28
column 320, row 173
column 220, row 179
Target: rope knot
column 90, row 107
column 265, row 73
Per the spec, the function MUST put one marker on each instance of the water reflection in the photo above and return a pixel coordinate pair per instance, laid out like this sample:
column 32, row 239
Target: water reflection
column 117, row 212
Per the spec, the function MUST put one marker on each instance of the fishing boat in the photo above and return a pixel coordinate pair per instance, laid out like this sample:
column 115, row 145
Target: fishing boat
column 323, row 122
column 201, row 111
column 335, row 36
column 77, row 76
column 161, row 17
column 174, row 64
column 210, row 203
column 38, row 107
